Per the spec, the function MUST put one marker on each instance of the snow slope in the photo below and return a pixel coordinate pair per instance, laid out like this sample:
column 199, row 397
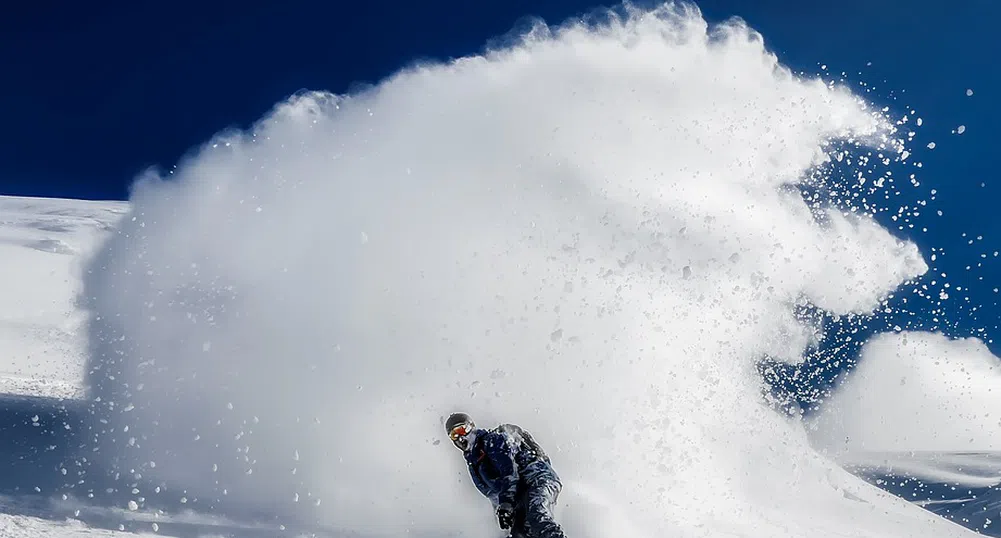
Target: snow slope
column 43, row 245
column 590, row 233
column 15, row 526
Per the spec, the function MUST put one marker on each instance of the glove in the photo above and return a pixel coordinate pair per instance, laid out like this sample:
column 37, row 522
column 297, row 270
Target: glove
column 505, row 516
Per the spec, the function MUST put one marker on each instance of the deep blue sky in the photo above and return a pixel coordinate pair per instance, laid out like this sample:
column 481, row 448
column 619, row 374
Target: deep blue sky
column 92, row 93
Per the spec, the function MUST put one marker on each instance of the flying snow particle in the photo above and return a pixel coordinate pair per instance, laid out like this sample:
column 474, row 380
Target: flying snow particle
column 969, row 92
column 931, row 145
column 961, row 129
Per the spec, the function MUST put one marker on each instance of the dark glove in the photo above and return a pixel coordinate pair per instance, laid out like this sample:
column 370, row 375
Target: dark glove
column 505, row 516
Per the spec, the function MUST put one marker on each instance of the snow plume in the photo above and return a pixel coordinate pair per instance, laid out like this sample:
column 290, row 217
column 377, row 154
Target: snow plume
column 588, row 231
column 922, row 402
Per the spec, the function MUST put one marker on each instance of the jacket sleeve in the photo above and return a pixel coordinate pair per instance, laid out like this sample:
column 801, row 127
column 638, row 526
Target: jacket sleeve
column 502, row 454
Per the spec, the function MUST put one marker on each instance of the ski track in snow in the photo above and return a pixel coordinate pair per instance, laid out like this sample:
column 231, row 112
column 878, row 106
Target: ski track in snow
column 198, row 247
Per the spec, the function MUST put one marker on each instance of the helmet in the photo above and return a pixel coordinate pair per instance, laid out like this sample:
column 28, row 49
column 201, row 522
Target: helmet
column 459, row 426
column 456, row 419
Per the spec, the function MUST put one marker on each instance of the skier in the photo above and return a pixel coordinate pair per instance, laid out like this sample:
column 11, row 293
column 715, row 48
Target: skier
column 512, row 470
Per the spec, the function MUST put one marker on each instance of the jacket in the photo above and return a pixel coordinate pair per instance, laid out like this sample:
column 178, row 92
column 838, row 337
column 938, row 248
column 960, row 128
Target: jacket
column 501, row 460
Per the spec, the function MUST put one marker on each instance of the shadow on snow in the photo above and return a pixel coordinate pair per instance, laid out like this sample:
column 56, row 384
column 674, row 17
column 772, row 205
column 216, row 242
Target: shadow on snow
column 44, row 443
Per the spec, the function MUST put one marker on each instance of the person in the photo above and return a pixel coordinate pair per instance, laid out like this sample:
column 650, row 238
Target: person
column 510, row 468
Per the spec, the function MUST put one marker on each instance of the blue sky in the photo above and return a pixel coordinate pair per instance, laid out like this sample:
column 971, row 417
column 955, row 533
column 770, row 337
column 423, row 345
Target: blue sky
column 94, row 94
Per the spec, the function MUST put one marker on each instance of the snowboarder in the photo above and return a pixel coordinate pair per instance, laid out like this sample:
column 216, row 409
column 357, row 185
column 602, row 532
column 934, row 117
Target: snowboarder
column 509, row 468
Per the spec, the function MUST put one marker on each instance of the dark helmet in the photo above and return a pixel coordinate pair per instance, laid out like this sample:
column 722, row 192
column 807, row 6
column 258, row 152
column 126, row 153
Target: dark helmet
column 457, row 419
column 458, row 427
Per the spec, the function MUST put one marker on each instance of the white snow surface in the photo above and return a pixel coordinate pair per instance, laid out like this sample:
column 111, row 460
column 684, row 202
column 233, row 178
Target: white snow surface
column 585, row 233
column 15, row 526
column 44, row 244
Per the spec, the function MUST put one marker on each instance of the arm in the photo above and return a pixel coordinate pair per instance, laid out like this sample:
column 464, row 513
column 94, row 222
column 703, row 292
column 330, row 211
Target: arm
column 502, row 453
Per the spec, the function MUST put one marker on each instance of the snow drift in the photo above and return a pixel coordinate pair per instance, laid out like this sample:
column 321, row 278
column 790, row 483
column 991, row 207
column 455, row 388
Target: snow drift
column 588, row 231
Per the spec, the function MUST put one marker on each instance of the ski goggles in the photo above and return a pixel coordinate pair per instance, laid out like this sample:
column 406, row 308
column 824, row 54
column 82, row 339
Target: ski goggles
column 461, row 430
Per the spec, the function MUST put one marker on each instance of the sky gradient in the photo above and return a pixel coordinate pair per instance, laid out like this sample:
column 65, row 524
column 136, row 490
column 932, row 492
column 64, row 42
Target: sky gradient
column 94, row 95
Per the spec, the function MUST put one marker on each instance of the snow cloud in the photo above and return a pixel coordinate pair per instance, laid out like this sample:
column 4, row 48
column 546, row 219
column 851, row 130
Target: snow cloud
column 916, row 392
column 588, row 232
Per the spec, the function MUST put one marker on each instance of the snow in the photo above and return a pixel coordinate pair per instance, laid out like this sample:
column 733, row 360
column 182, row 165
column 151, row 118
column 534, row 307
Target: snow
column 588, row 233
column 14, row 526
column 965, row 468
column 44, row 244
column 73, row 519
column 919, row 392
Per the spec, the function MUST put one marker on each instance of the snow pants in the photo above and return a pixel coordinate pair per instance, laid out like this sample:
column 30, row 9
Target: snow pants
column 533, row 512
